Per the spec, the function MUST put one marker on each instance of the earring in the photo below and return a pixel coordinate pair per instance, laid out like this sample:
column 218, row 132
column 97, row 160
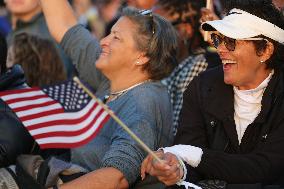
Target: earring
column 262, row 61
column 137, row 62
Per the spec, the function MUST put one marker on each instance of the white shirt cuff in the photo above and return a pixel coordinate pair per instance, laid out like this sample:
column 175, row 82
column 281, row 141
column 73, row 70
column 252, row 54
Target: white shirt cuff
column 190, row 154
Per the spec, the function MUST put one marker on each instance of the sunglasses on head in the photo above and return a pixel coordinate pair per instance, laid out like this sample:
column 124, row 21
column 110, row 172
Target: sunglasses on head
column 229, row 43
column 150, row 14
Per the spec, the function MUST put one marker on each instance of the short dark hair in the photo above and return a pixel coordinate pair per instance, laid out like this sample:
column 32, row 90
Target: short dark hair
column 266, row 10
column 157, row 37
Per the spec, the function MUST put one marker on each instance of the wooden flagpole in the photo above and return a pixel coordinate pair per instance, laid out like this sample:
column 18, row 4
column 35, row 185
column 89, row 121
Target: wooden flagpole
column 208, row 6
column 111, row 113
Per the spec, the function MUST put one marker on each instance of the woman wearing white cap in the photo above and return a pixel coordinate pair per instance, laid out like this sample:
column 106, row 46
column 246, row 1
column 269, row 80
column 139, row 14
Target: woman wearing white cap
column 232, row 121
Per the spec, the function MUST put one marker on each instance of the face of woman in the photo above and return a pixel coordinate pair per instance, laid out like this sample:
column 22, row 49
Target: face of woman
column 119, row 51
column 22, row 6
column 242, row 67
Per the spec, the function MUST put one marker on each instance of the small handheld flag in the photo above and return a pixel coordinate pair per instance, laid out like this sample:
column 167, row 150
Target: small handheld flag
column 59, row 116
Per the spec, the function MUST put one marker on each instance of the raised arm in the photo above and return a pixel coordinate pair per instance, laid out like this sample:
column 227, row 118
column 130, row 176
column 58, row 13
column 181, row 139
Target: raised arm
column 78, row 44
column 59, row 16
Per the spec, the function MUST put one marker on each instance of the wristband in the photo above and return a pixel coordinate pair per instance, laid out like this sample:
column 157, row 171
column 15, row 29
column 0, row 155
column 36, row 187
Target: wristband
column 181, row 165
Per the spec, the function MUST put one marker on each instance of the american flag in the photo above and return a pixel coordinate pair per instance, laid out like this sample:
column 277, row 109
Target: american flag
column 58, row 116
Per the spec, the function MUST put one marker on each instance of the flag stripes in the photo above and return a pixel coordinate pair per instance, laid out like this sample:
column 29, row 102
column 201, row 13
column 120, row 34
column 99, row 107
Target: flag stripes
column 49, row 121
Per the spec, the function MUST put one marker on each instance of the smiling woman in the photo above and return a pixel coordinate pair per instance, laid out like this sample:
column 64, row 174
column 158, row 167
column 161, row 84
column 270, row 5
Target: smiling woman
column 241, row 65
column 141, row 34
column 231, row 124
column 124, row 69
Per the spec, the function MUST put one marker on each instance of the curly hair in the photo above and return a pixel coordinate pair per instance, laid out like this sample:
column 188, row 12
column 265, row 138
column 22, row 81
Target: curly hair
column 182, row 7
column 39, row 59
column 188, row 11
column 266, row 10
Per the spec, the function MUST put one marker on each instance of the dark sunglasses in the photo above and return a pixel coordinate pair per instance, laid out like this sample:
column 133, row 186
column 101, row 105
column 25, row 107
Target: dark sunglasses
column 149, row 13
column 229, row 43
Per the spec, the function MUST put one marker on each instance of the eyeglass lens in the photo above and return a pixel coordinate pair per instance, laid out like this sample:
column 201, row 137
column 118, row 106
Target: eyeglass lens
column 229, row 43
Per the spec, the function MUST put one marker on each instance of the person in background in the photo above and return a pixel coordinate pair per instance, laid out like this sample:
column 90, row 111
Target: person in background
column 3, row 54
column 38, row 58
column 193, row 55
column 11, row 127
column 108, row 9
column 5, row 26
column 26, row 16
column 125, row 70
column 231, row 132
column 279, row 4
column 13, row 77
column 141, row 4
column 89, row 16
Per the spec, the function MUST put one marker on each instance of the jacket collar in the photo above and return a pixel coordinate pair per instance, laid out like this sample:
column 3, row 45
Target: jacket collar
column 219, row 103
column 225, row 103
column 270, row 95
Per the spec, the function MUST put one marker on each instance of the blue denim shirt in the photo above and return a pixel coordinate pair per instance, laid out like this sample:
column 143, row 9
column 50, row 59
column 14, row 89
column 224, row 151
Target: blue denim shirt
column 145, row 109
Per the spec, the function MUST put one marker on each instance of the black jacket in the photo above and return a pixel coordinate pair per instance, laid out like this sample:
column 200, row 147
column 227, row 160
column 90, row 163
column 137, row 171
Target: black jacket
column 14, row 138
column 207, row 121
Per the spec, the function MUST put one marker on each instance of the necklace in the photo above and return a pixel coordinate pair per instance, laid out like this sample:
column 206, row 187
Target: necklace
column 114, row 95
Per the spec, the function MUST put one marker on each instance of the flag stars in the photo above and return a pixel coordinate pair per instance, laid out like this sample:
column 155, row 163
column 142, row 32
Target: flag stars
column 69, row 95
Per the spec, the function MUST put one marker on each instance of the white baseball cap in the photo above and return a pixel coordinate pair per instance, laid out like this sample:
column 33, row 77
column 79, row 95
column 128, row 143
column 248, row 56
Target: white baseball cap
column 239, row 24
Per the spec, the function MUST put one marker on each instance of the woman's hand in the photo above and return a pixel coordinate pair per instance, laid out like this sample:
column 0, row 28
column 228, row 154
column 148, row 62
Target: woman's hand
column 167, row 171
column 208, row 15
